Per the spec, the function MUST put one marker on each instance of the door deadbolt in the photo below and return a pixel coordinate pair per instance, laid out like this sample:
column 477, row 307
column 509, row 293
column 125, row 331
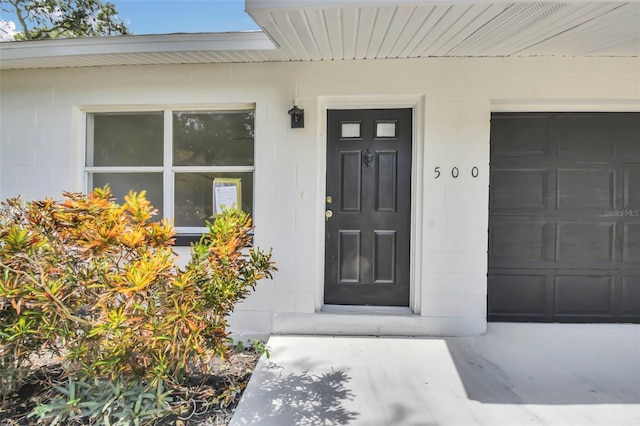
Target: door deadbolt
column 329, row 199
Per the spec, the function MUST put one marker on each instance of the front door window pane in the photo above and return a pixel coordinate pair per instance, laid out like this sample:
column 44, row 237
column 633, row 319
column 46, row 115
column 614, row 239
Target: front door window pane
column 217, row 138
column 125, row 139
column 193, row 196
column 350, row 130
column 385, row 129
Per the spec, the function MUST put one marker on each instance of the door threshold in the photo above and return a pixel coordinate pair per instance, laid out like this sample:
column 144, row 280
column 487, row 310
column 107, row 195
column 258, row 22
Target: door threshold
column 366, row 310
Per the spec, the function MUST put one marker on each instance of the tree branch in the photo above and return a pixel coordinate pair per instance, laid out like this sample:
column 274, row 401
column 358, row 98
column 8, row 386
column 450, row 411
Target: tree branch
column 23, row 23
column 64, row 18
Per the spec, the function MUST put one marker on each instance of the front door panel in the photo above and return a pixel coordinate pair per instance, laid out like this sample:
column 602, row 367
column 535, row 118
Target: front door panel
column 368, row 207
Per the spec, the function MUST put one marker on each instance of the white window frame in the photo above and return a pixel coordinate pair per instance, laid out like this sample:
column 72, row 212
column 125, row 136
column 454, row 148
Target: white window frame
column 168, row 170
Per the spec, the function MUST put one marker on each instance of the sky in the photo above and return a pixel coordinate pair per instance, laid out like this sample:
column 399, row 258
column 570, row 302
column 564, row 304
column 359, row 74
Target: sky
column 176, row 16
column 184, row 16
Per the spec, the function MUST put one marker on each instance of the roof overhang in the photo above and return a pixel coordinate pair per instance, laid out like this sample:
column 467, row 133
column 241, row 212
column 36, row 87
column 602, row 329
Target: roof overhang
column 139, row 50
column 370, row 29
column 313, row 30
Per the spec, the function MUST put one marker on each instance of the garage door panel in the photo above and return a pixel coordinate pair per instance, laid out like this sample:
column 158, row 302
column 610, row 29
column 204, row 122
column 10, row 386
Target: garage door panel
column 632, row 189
column 583, row 295
column 586, row 188
column 631, row 296
column 519, row 188
column 564, row 222
column 582, row 139
column 585, row 243
column 627, row 131
column 631, row 152
column 518, row 241
column 520, row 137
column 631, row 246
column 518, row 294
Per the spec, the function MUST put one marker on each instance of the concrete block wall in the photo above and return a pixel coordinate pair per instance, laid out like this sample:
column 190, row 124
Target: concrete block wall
column 455, row 218
column 41, row 146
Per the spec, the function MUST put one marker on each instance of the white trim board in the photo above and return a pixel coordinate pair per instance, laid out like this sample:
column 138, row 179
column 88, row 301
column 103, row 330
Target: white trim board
column 137, row 44
column 566, row 105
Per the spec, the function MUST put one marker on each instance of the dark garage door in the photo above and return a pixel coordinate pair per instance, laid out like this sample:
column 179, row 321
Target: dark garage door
column 564, row 217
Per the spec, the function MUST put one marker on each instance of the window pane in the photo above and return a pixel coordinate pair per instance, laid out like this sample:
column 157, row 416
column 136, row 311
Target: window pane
column 221, row 138
column 386, row 129
column 194, row 196
column 122, row 183
column 125, row 139
column 350, row 130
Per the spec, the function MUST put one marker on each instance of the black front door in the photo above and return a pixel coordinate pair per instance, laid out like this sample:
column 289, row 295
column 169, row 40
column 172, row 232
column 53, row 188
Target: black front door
column 368, row 207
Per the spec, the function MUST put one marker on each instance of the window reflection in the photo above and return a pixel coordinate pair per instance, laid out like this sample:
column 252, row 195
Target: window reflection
column 125, row 139
column 122, row 183
column 213, row 138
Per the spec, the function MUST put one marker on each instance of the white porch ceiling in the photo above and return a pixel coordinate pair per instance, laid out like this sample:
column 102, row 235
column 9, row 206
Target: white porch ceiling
column 342, row 29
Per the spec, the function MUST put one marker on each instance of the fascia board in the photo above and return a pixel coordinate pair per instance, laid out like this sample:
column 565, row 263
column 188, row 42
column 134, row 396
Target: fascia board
column 170, row 43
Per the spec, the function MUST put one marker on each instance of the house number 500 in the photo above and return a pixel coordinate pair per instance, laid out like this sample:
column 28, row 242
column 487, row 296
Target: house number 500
column 455, row 172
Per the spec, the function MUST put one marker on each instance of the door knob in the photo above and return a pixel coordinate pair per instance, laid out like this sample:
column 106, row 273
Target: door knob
column 328, row 214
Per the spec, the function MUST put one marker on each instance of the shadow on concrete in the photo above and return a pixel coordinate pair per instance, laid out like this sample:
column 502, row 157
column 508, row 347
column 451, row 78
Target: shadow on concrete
column 297, row 399
column 556, row 365
column 405, row 415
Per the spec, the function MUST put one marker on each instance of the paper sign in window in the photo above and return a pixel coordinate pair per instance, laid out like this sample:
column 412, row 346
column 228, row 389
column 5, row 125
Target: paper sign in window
column 227, row 192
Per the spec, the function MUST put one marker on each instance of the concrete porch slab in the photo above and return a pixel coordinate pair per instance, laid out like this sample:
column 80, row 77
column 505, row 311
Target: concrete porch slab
column 516, row 374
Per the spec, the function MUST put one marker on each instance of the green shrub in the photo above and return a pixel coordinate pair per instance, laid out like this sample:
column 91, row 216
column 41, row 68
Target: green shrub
column 96, row 283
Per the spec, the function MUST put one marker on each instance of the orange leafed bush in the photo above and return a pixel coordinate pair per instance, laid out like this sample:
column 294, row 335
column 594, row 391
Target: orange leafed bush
column 97, row 283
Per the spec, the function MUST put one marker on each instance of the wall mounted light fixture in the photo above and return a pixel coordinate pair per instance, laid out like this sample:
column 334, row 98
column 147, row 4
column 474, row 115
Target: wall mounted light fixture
column 297, row 117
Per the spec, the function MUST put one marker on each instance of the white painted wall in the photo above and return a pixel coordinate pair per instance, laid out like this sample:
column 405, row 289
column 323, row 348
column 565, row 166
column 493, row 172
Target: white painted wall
column 41, row 147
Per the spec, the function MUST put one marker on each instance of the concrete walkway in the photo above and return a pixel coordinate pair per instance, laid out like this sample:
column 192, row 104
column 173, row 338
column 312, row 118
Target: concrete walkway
column 516, row 374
